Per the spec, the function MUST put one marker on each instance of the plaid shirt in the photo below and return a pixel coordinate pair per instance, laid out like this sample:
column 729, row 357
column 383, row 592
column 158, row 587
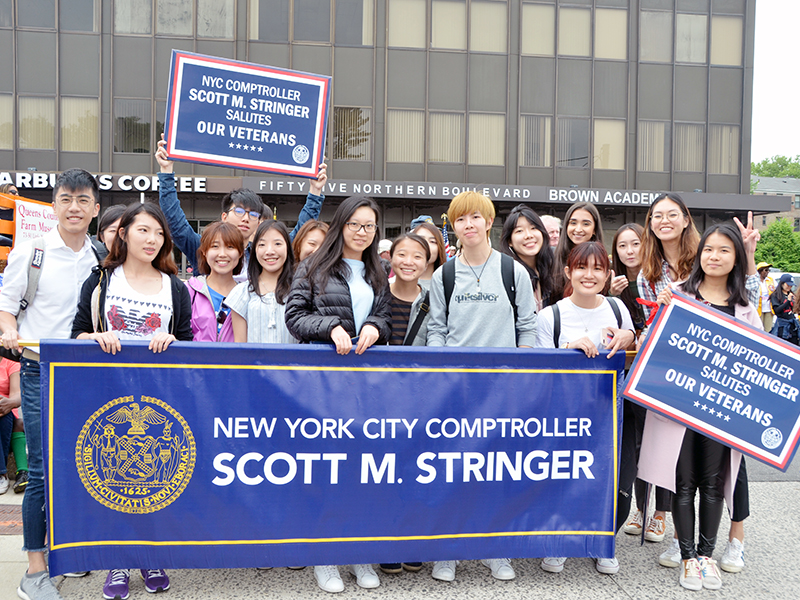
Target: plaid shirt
column 650, row 290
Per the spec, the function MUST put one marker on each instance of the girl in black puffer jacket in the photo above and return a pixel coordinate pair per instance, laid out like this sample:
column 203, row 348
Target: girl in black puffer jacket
column 340, row 293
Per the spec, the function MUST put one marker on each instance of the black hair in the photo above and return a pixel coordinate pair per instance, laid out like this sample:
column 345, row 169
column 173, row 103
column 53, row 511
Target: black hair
column 118, row 254
column 737, row 294
column 254, row 268
column 628, row 299
column 248, row 200
column 414, row 238
column 111, row 214
column 542, row 272
column 74, row 180
column 328, row 260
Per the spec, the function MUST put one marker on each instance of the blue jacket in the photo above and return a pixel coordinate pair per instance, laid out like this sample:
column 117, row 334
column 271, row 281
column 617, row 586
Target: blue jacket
column 187, row 240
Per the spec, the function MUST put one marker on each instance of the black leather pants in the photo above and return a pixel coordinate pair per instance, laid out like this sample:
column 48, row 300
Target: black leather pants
column 701, row 466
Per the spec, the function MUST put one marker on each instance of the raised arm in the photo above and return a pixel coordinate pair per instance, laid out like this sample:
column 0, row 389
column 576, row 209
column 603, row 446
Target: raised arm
column 313, row 205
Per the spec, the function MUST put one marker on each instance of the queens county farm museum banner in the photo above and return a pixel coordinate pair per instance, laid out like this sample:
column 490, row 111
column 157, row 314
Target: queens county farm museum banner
column 224, row 455
column 722, row 378
column 229, row 113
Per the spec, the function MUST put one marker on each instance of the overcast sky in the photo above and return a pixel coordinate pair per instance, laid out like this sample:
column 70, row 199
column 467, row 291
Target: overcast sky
column 776, row 80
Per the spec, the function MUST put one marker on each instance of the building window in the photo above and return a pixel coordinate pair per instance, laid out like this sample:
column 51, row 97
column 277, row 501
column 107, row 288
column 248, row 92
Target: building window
column 269, row 20
column 763, row 221
column 215, row 19
column 407, row 21
column 132, row 126
column 36, row 13
column 174, row 17
column 6, row 14
column 574, row 32
column 446, row 137
column 6, row 122
column 653, row 144
column 538, row 29
column 37, row 128
column 80, row 122
column 689, row 147
column 488, row 30
column 81, row 15
column 352, row 133
column 723, row 149
column 354, row 22
column 535, row 141
column 691, row 38
column 312, row 20
column 133, row 16
column 726, row 40
column 609, row 144
column 796, row 200
column 449, row 24
column 572, row 144
column 611, row 34
column 405, row 136
column 486, row 141
column 655, row 39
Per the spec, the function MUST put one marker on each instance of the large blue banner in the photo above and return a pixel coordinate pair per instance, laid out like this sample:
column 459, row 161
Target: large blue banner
column 721, row 377
column 230, row 113
column 225, row 455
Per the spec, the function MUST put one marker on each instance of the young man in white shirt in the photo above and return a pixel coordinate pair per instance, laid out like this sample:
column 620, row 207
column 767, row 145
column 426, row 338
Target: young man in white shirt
column 68, row 260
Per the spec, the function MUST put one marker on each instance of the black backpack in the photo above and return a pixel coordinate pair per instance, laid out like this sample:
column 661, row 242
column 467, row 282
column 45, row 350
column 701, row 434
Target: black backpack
column 557, row 319
column 506, row 270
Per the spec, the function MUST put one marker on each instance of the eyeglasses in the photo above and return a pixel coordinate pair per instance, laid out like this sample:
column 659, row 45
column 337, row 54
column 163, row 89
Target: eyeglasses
column 240, row 212
column 67, row 200
column 671, row 216
column 368, row 227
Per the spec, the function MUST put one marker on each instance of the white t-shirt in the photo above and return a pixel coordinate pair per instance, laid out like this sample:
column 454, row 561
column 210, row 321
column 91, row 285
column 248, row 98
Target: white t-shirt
column 133, row 315
column 264, row 316
column 580, row 322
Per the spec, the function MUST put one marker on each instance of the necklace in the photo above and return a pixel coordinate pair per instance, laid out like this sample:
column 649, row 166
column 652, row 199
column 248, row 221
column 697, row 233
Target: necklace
column 477, row 276
column 580, row 316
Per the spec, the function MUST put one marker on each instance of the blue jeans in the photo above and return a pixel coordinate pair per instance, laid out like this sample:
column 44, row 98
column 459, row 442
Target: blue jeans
column 34, row 519
column 6, row 427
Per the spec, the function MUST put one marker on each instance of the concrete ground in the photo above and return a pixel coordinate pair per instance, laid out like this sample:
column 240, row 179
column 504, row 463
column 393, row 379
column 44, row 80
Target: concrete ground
column 772, row 543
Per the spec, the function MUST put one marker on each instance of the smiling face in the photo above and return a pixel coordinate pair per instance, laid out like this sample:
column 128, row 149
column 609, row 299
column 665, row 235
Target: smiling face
column 580, row 227
column 526, row 240
column 311, row 243
column 717, row 256
column 144, row 238
column 243, row 220
column 667, row 221
column 75, row 209
column 588, row 279
column 355, row 242
column 409, row 261
column 222, row 257
column 271, row 251
column 426, row 235
column 472, row 229
column 628, row 248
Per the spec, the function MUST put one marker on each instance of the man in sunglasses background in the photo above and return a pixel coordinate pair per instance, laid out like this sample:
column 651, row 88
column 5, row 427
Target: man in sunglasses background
column 242, row 208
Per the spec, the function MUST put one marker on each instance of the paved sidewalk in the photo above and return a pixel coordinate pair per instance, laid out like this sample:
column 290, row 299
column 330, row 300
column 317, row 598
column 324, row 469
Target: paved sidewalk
column 772, row 546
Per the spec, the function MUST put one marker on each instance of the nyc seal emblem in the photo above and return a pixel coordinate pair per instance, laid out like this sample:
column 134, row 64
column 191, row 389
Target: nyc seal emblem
column 135, row 457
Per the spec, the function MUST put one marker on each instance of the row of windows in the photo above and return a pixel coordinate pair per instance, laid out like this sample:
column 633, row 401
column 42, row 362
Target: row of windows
column 480, row 139
column 659, row 148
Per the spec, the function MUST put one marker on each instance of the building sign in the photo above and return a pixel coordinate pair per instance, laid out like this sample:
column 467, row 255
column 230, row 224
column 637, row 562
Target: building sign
column 32, row 220
column 229, row 113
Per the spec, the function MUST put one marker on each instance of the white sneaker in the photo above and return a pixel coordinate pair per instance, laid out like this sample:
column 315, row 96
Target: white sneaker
column 554, row 564
column 733, row 559
column 656, row 527
column 671, row 557
column 691, row 574
column 501, row 568
column 634, row 524
column 3, row 484
column 712, row 578
column 365, row 576
column 328, row 578
column 444, row 570
column 609, row 566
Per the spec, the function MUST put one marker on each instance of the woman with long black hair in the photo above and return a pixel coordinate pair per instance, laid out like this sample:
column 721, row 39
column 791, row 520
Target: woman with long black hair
column 525, row 238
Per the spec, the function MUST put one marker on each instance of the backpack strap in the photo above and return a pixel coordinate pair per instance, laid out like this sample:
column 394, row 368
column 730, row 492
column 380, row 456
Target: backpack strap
column 34, row 273
column 449, row 282
column 424, row 307
column 556, row 324
column 617, row 312
column 507, row 271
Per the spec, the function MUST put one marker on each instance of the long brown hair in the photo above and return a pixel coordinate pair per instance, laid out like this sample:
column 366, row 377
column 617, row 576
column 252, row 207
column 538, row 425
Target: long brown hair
column 441, row 257
column 566, row 245
column 119, row 249
column 653, row 251
column 307, row 228
column 619, row 267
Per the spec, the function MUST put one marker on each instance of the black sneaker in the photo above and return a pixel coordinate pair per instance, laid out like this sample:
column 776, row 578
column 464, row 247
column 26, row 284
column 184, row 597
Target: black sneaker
column 21, row 482
column 392, row 568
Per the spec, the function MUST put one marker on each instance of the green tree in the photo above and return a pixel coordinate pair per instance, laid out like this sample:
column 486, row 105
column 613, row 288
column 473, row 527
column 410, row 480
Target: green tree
column 777, row 166
column 780, row 246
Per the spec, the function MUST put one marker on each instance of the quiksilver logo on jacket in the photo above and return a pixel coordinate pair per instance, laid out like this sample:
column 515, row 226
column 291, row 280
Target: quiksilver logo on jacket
column 479, row 297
